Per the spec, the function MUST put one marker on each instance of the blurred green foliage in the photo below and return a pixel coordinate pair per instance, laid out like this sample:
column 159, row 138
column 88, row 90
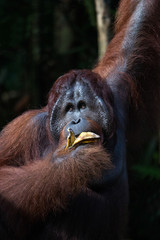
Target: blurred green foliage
column 144, row 181
column 147, row 171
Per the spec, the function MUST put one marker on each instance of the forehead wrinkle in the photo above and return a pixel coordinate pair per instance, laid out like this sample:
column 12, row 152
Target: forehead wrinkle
column 69, row 94
column 79, row 90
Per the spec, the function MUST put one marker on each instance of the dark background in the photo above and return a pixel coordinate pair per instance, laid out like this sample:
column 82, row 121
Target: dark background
column 41, row 40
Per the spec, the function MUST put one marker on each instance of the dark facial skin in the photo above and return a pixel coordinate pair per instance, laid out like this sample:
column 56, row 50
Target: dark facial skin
column 77, row 109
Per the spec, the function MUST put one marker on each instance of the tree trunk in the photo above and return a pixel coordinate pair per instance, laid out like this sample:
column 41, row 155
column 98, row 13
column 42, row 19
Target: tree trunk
column 103, row 22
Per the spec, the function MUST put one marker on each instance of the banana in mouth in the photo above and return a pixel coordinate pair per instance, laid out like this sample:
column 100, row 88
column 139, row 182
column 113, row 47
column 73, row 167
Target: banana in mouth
column 83, row 138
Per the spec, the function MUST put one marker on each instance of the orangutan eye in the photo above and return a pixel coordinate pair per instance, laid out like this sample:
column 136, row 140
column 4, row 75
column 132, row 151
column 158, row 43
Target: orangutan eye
column 81, row 105
column 69, row 107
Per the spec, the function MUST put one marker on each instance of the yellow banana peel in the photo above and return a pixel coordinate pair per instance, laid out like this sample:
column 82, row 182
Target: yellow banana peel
column 84, row 137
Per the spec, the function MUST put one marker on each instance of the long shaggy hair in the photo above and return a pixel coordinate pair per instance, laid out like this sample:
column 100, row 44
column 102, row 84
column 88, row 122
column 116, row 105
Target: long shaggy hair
column 49, row 183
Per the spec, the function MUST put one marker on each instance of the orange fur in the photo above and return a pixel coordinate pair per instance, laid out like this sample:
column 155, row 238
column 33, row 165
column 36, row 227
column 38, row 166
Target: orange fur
column 19, row 141
column 46, row 184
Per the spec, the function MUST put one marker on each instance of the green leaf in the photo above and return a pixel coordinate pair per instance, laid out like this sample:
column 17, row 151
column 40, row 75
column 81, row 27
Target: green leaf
column 147, row 171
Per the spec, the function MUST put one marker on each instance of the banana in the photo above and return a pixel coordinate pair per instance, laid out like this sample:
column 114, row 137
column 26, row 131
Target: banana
column 84, row 137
